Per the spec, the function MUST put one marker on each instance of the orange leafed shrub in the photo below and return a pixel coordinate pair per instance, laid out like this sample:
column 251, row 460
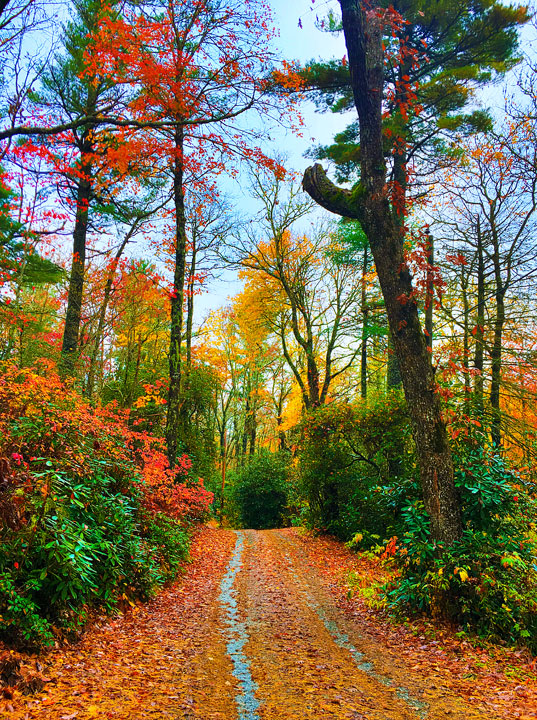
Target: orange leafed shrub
column 182, row 500
column 45, row 425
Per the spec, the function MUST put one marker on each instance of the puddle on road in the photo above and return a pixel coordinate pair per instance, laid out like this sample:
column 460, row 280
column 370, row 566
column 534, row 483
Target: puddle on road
column 237, row 637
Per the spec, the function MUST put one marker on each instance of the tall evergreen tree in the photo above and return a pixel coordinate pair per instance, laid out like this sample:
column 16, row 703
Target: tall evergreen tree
column 70, row 91
column 437, row 54
column 410, row 67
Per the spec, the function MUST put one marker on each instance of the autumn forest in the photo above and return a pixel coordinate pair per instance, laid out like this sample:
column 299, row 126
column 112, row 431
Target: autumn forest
column 268, row 426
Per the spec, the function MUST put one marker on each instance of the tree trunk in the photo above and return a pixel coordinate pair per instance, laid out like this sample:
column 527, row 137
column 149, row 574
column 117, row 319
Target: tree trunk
column 90, row 383
column 370, row 204
column 128, row 361
column 466, row 340
column 76, row 280
column 137, row 367
column 479, row 327
column 393, row 374
column 246, row 429
column 496, row 352
column 190, row 309
column 365, row 330
column 186, row 371
column 173, row 417
column 429, row 294
column 429, row 431
column 279, row 423
column 223, row 460
column 313, row 378
column 253, row 431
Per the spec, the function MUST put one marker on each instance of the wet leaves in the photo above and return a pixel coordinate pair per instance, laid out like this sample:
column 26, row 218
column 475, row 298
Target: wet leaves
column 151, row 662
column 501, row 681
column 168, row 659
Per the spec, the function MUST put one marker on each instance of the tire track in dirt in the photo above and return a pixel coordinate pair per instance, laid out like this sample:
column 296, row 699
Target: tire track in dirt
column 237, row 637
column 307, row 660
column 252, row 632
column 299, row 668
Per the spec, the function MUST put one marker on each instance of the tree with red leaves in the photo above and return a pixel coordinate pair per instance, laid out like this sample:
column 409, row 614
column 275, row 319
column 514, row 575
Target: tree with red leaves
column 195, row 66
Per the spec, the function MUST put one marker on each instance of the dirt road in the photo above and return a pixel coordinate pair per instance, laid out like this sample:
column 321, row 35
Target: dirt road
column 252, row 633
column 302, row 658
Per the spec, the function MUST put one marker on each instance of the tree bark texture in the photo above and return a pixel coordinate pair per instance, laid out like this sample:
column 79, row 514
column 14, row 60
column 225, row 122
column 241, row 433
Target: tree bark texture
column 496, row 350
column 370, row 204
column 190, row 308
column 466, row 339
column 429, row 295
column 173, row 417
column 480, row 326
column 365, row 329
column 76, row 280
column 393, row 375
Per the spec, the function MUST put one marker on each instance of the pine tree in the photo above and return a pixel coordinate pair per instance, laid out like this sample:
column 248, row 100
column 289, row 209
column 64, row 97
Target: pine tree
column 402, row 61
column 79, row 156
column 437, row 55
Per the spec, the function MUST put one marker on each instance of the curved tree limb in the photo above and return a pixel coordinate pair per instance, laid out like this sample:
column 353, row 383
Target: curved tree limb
column 333, row 198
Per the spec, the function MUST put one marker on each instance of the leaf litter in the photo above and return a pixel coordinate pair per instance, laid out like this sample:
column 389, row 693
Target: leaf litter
column 501, row 681
column 311, row 647
column 166, row 659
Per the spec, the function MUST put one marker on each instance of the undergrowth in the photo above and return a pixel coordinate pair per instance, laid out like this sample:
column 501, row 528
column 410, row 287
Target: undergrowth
column 91, row 516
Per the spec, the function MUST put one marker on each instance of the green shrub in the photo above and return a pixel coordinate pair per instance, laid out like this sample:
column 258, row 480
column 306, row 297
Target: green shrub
column 488, row 580
column 76, row 530
column 171, row 542
column 259, row 489
column 20, row 616
column 84, row 545
column 355, row 468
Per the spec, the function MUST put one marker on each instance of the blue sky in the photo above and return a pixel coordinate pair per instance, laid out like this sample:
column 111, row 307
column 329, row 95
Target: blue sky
column 306, row 42
column 295, row 43
column 303, row 44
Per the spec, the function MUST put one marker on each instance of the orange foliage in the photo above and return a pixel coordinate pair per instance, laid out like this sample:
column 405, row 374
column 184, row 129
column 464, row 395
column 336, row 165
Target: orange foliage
column 63, row 432
column 193, row 65
column 182, row 500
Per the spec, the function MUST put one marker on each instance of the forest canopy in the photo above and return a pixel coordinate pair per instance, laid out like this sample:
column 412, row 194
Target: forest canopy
column 373, row 373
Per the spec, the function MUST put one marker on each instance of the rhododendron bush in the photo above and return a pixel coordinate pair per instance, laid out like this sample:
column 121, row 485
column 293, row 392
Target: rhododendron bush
column 90, row 513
